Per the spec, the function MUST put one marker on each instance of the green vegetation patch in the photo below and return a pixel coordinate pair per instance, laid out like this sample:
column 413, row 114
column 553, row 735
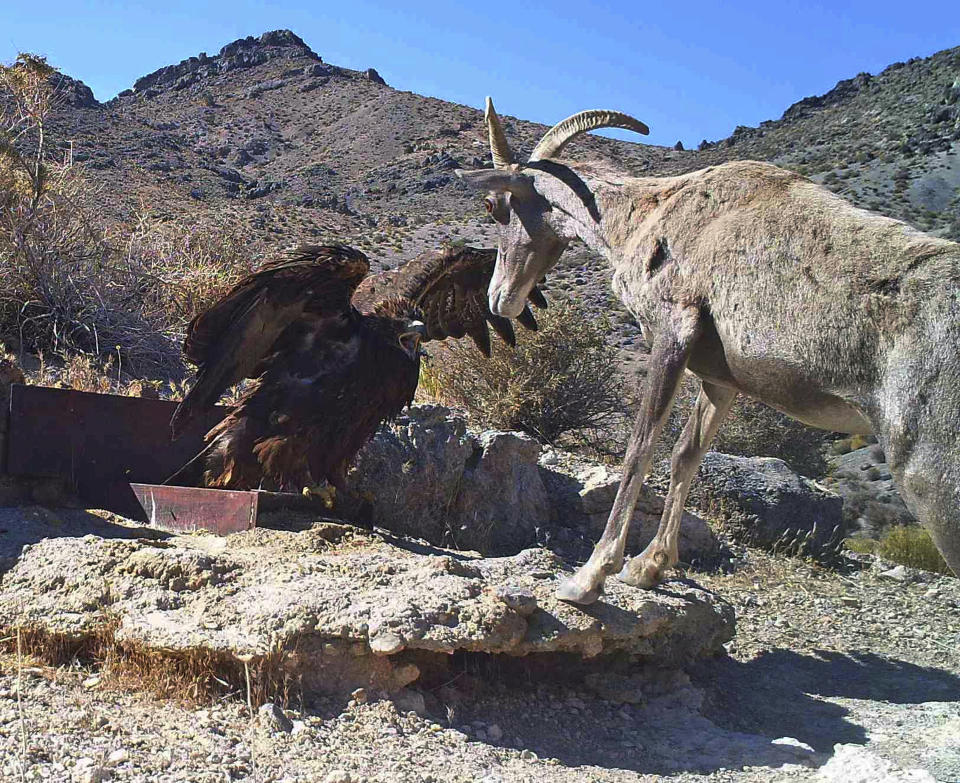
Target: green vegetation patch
column 908, row 545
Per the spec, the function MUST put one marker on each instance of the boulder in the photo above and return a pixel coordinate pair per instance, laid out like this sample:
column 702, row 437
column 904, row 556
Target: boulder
column 372, row 75
column 856, row 764
column 767, row 503
column 73, row 92
column 261, row 87
column 317, row 69
column 501, row 502
column 871, row 500
column 427, row 476
column 951, row 93
column 581, row 497
column 411, row 469
column 334, row 608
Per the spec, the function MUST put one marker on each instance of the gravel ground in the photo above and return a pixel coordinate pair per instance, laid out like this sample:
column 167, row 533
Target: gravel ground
column 821, row 657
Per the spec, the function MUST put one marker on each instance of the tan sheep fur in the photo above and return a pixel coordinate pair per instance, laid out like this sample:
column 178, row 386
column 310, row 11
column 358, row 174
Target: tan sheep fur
column 759, row 282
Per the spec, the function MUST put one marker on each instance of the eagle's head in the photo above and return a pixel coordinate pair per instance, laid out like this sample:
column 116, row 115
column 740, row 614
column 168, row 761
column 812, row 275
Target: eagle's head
column 399, row 322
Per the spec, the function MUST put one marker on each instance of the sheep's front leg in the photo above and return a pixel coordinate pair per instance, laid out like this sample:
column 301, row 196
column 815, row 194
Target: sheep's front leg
column 647, row 568
column 668, row 359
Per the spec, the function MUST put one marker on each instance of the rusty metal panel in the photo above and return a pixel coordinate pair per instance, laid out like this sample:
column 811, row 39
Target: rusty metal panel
column 115, row 451
column 96, row 441
column 183, row 509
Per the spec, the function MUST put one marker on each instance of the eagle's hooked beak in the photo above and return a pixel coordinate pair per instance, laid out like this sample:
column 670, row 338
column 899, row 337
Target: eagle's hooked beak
column 410, row 340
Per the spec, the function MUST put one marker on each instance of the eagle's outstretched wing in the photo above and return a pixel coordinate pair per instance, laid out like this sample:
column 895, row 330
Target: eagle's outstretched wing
column 450, row 288
column 229, row 341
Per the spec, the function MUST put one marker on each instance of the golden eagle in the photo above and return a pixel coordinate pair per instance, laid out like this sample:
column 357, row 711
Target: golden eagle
column 332, row 354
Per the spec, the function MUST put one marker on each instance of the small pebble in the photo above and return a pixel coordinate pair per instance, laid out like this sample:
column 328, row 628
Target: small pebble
column 523, row 602
column 272, row 717
column 359, row 695
column 93, row 774
column 899, row 573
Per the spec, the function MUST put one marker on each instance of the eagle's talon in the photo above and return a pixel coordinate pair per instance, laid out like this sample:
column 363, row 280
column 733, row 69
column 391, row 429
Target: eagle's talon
column 327, row 494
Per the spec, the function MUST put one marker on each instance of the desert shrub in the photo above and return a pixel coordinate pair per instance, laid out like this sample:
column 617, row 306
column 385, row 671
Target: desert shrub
column 862, row 509
column 560, row 383
column 63, row 287
column 184, row 267
column 909, row 545
column 952, row 231
column 69, row 286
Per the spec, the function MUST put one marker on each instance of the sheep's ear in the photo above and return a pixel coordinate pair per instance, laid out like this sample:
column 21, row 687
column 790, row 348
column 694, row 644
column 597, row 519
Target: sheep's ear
column 497, row 181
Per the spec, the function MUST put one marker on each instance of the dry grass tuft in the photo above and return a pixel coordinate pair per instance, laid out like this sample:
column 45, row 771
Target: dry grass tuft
column 195, row 676
column 848, row 444
column 91, row 374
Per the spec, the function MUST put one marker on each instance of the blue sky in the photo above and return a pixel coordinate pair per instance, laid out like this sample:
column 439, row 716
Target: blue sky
column 690, row 71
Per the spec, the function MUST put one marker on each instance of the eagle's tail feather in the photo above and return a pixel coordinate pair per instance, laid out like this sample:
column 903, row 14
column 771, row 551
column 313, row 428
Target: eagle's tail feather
column 203, row 396
column 192, row 474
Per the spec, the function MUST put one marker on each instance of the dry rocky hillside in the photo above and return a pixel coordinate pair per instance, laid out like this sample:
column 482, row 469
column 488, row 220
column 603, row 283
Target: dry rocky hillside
column 267, row 125
column 300, row 149
column 294, row 149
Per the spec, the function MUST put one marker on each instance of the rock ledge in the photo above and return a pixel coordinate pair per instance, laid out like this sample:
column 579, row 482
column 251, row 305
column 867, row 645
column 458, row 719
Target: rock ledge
column 345, row 608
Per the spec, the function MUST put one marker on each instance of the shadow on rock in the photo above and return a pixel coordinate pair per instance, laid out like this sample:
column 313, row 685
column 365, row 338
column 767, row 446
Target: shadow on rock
column 651, row 735
column 781, row 693
column 768, row 712
column 24, row 525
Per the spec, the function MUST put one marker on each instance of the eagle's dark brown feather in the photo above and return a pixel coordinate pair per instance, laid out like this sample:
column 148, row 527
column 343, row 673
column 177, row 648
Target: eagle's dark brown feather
column 313, row 407
column 328, row 359
column 450, row 287
column 228, row 341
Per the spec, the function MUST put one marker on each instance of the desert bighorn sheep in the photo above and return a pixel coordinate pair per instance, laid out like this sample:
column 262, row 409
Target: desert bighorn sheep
column 758, row 281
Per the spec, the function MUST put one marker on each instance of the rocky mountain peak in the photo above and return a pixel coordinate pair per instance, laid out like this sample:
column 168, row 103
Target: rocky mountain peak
column 242, row 53
column 73, row 92
column 842, row 91
column 273, row 44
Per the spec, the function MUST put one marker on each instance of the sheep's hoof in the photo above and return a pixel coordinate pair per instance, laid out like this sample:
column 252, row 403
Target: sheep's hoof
column 641, row 572
column 571, row 591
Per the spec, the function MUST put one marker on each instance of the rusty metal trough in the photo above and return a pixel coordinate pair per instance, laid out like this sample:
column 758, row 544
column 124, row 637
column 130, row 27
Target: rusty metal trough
column 114, row 453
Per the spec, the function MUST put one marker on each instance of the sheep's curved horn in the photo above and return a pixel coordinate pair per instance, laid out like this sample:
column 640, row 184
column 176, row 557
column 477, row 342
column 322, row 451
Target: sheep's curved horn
column 499, row 149
column 557, row 137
